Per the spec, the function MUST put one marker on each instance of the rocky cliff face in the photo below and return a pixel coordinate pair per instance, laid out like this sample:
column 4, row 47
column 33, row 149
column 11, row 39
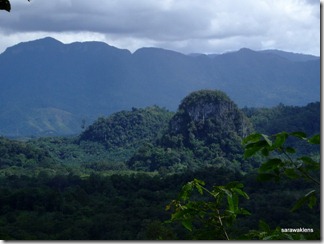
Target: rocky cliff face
column 203, row 111
column 207, row 130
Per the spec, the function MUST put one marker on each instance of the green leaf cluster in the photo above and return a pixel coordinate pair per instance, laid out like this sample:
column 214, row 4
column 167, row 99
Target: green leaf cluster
column 283, row 162
column 212, row 217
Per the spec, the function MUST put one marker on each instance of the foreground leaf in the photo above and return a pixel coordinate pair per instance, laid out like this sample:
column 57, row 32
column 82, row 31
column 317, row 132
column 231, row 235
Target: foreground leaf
column 308, row 197
column 315, row 139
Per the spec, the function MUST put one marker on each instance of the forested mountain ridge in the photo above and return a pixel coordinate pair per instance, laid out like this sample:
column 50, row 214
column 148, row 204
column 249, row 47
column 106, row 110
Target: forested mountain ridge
column 49, row 87
column 206, row 130
column 286, row 118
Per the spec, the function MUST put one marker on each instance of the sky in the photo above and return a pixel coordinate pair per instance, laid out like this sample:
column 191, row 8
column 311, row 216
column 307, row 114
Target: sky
column 186, row 26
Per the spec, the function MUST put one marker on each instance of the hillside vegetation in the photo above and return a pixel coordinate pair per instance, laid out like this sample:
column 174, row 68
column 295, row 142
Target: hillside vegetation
column 114, row 180
column 128, row 129
column 207, row 129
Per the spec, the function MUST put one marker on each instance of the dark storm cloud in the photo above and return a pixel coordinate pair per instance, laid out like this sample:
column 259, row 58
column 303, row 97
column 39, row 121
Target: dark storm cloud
column 184, row 25
column 140, row 18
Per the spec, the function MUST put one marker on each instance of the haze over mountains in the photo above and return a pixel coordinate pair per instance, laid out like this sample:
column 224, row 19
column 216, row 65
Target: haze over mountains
column 48, row 87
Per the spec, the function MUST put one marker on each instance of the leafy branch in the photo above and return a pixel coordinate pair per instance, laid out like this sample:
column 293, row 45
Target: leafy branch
column 282, row 163
column 213, row 218
column 266, row 233
column 216, row 215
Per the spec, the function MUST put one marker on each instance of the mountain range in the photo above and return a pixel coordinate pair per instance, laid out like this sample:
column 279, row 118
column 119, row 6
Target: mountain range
column 48, row 87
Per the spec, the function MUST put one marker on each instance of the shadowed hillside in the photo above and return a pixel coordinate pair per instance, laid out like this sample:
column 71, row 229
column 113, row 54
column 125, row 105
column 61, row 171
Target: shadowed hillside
column 70, row 83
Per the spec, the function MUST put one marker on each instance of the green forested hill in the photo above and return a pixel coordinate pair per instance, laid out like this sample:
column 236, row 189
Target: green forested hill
column 128, row 129
column 108, row 142
column 206, row 130
column 286, row 118
column 22, row 158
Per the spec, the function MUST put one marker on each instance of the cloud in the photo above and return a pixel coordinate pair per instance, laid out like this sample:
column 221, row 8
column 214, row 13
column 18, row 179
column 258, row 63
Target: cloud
column 208, row 26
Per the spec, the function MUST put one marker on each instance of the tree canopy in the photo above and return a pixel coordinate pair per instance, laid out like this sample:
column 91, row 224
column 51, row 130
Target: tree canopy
column 149, row 174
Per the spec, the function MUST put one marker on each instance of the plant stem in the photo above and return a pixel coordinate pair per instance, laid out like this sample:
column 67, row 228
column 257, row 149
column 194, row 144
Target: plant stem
column 221, row 223
column 301, row 171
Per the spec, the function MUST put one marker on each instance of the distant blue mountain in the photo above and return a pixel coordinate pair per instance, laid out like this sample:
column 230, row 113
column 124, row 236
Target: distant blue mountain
column 298, row 57
column 48, row 87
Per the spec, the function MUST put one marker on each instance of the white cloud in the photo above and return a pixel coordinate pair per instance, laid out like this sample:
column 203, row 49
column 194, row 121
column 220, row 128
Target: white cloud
column 208, row 26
